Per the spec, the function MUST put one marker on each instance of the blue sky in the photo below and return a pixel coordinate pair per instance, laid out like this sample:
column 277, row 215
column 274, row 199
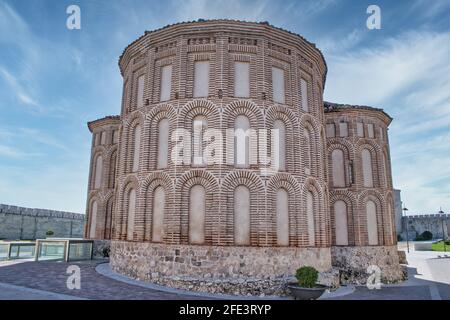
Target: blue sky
column 53, row 80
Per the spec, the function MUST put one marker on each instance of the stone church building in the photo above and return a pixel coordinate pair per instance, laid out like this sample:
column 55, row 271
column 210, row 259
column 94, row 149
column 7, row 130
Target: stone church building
column 177, row 219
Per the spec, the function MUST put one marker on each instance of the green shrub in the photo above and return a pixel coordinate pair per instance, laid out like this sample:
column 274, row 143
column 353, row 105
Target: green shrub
column 427, row 235
column 447, row 242
column 49, row 233
column 399, row 237
column 419, row 238
column 307, row 276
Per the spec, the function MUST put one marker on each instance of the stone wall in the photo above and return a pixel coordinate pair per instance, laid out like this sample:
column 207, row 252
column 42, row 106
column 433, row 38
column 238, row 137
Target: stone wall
column 417, row 224
column 352, row 263
column 28, row 223
column 232, row 270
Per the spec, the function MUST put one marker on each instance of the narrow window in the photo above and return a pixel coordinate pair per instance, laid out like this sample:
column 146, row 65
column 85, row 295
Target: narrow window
column 337, row 157
column 115, row 138
column 242, row 215
column 307, row 153
column 280, row 145
column 242, row 142
column 201, row 79
column 310, row 218
column 331, row 130
column 278, row 85
column 163, row 143
column 304, row 95
column 360, row 129
column 367, row 168
column 199, row 126
column 137, row 146
column 93, row 220
column 197, row 214
column 103, row 137
column 112, row 171
column 166, row 82
column 241, row 79
column 140, row 91
column 159, row 200
column 340, row 220
column 98, row 172
column 131, row 214
column 370, row 130
column 282, row 211
column 372, row 228
column 343, row 129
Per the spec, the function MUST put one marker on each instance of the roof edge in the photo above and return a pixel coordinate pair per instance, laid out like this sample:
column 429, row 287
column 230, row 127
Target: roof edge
column 102, row 121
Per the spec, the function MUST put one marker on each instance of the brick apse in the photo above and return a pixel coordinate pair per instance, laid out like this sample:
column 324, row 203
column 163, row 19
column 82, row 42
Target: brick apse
column 234, row 224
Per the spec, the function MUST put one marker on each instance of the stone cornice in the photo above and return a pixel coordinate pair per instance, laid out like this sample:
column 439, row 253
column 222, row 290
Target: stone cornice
column 223, row 25
column 103, row 121
column 330, row 107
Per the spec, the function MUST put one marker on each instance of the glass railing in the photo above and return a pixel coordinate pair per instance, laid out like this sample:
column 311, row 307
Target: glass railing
column 11, row 250
column 64, row 249
column 51, row 249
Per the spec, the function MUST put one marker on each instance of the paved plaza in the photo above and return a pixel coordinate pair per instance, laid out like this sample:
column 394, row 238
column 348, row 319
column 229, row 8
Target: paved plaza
column 429, row 279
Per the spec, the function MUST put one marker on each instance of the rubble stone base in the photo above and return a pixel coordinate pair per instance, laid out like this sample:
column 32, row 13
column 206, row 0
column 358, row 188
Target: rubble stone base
column 229, row 270
column 352, row 263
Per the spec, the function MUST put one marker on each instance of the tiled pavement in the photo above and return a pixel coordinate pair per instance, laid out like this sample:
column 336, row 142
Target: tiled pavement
column 52, row 277
column 429, row 278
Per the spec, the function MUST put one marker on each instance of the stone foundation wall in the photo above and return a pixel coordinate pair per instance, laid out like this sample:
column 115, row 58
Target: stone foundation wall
column 352, row 263
column 230, row 270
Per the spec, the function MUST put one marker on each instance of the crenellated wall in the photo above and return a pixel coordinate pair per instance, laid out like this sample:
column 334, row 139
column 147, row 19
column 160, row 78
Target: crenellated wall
column 17, row 223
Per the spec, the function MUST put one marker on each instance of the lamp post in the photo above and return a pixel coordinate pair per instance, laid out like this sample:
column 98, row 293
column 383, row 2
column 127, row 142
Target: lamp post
column 443, row 233
column 406, row 223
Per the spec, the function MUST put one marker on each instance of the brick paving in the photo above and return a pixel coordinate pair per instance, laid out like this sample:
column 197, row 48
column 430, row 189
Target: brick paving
column 52, row 277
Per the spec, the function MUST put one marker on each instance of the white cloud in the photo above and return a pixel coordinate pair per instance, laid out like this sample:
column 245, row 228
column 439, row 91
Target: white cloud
column 18, row 89
column 409, row 76
column 373, row 75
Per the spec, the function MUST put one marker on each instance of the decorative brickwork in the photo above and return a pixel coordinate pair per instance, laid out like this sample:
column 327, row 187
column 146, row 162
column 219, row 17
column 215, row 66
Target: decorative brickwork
column 133, row 171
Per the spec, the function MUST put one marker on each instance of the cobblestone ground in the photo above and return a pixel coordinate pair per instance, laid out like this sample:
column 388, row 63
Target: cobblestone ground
column 52, row 277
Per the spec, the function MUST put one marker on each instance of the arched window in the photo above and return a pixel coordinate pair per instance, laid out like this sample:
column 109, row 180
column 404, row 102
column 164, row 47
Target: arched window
column 367, row 168
column 98, row 172
column 137, row 146
column 92, row 232
column 242, row 215
column 310, row 218
column 385, row 170
column 163, row 143
column 199, row 125
column 131, row 214
column 390, row 216
column 280, row 145
column 112, row 171
column 241, row 142
column 308, row 149
column 282, row 211
column 337, row 157
column 372, row 228
column 197, row 210
column 340, row 221
column 159, row 201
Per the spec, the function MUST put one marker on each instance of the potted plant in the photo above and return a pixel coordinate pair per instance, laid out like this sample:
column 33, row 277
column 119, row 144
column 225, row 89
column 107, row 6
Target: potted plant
column 49, row 233
column 307, row 287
